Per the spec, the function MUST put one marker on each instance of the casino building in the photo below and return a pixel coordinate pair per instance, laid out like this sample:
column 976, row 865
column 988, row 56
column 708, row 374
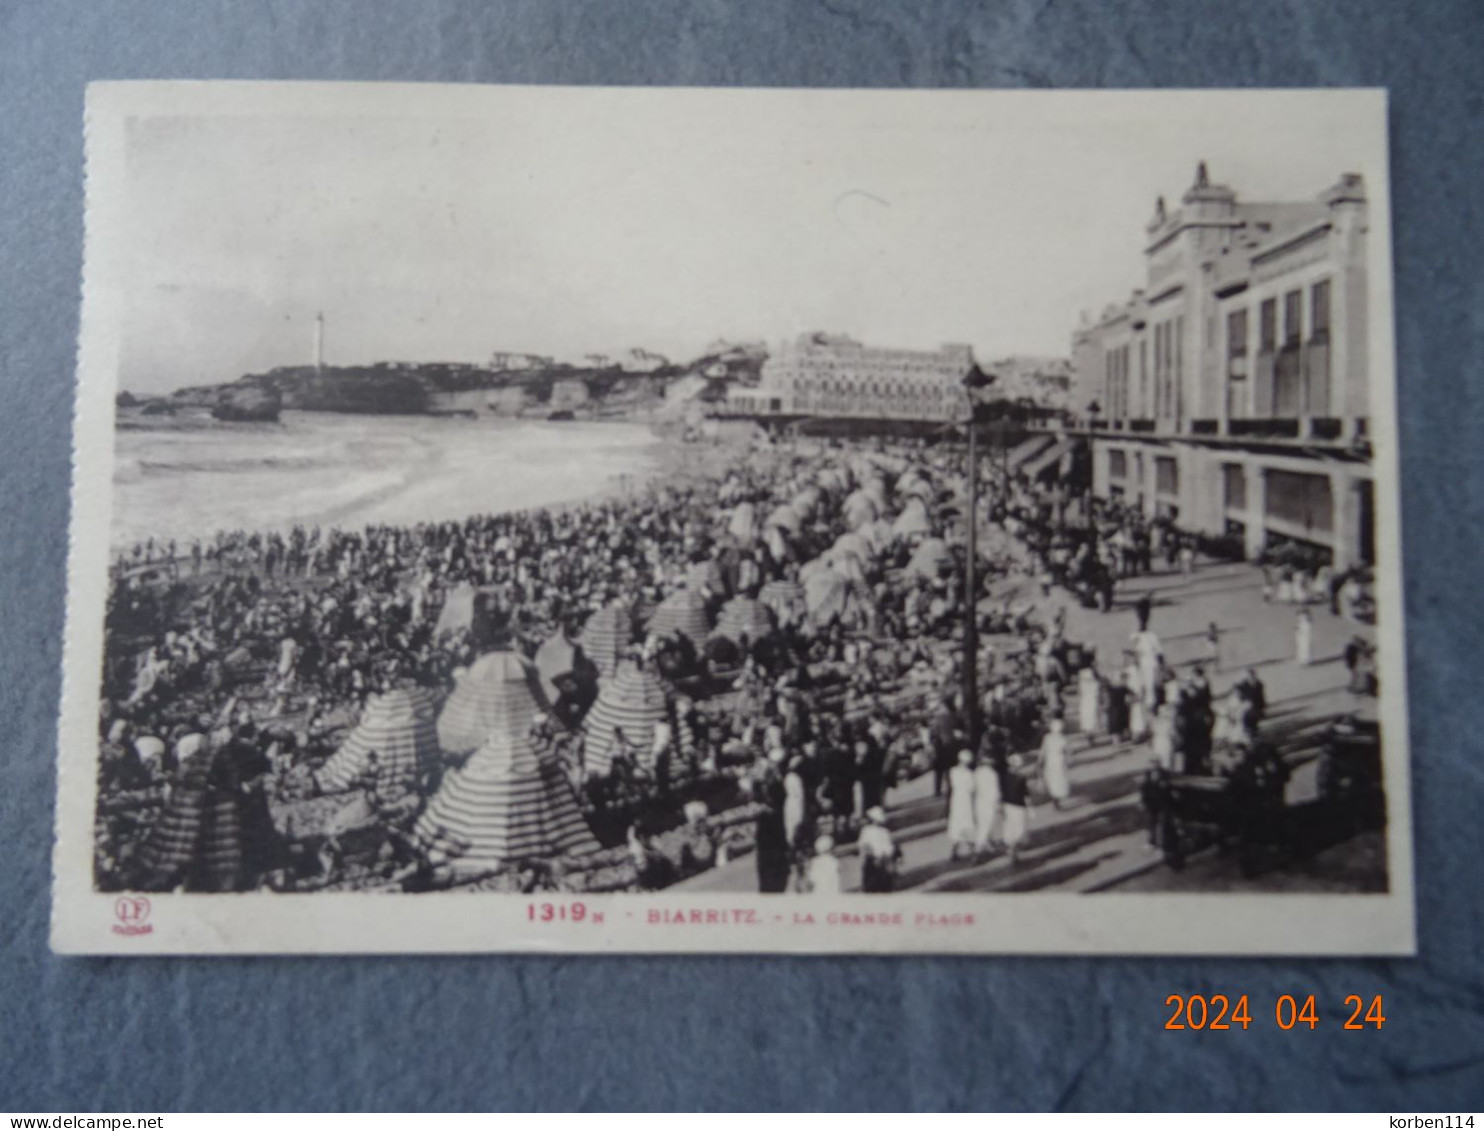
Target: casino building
column 835, row 376
column 1231, row 393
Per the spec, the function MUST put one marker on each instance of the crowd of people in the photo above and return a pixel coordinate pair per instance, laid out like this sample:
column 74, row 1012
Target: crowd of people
column 235, row 666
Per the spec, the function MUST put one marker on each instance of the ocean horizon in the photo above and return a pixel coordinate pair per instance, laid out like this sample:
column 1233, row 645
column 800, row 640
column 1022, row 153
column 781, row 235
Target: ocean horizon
column 178, row 480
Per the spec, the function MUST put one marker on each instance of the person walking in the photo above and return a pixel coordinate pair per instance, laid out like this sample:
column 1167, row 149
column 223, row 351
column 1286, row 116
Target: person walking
column 880, row 855
column 961, row 825
column 1054, row 764
column 986, row 805
column 1303, row 638
column 1015, row 800
column 1089, row 703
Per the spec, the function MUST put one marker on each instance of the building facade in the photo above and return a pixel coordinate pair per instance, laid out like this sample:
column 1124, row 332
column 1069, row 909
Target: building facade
column 1231, row 392
column 835, row 376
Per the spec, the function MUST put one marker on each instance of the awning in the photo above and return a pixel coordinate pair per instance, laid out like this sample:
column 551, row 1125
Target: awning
column 1028, row 449
column 1048, row 459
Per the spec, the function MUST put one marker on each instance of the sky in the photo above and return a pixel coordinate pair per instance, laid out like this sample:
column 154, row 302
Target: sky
column 443, row 223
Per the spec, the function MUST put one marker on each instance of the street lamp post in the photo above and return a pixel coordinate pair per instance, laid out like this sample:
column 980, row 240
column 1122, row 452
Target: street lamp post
column 976, row 381
column 971, row 615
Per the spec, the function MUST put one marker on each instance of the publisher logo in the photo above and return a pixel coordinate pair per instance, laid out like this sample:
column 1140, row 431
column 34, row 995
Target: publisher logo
column 132, row 913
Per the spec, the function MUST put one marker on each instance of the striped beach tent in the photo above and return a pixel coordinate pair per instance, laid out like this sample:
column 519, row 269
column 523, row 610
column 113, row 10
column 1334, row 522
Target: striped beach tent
column 633, row 701
column 786, row 598
column 607, row 635
column 401, row 727
column 169, row 848
column 682, row 611
column 744, row 616
column 499, row 695
column 507, row 803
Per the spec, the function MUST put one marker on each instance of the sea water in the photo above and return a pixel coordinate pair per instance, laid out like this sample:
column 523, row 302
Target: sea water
column 189, row 478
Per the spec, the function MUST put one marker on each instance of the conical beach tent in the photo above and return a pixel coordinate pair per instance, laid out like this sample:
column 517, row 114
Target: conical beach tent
column 682, row 611
column 633, row 701
column 498, row 695
column 744, row 616
column 607, row 635
column 506, row 804
column 785, row 598
column 400, row 727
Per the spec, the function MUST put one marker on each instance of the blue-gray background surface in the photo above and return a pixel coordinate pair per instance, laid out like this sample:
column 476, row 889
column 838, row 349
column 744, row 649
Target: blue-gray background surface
column 212, row 1034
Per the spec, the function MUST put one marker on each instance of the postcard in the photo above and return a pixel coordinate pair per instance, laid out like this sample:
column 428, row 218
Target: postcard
column 721, row 520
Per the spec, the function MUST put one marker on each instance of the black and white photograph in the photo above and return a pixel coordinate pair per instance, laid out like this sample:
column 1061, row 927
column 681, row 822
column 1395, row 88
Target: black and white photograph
column 518, row 518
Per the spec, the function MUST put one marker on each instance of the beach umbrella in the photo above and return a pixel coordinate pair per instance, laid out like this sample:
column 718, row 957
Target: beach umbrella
column 682, row 611
column 787, row 516
column 506, row 804
column 930, row 558
column 607, row 636
column 499, row 695
column 633, row 701
column 743, row 523
column 457, row 613
column 744, row 616
column 785, row 598
column 401, row 727
column 913, row 520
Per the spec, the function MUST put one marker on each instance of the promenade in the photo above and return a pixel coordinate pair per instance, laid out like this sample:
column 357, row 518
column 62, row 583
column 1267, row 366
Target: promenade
column 1099, row 841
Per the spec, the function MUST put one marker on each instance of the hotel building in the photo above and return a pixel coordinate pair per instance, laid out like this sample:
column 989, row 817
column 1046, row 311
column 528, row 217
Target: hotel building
column 1231, row 393
column 835, row 376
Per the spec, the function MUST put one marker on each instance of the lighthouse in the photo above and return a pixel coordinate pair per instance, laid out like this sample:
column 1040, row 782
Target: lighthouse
column 319, row 340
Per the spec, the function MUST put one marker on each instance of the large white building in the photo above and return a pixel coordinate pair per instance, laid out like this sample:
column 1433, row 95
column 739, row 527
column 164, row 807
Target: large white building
column 1231, row 392
column 836, row 376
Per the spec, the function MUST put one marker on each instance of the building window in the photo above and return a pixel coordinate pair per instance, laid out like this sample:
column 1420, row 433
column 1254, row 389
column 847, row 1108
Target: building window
column 1166, row 476
column 1117, row 464
column 1319, row 311
column 1293, row 318
column 1302, row 504
column 1316, row 353
column 1236, row 363
column 1268, row 326
column 1233, row 487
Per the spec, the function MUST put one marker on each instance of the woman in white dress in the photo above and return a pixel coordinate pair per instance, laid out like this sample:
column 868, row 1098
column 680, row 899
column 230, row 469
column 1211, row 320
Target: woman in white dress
column 1054, row 764
column 1089, row 696
column 961, row 830
column 986, row 805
